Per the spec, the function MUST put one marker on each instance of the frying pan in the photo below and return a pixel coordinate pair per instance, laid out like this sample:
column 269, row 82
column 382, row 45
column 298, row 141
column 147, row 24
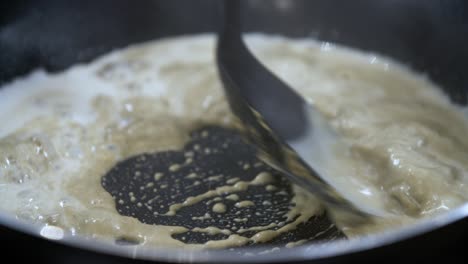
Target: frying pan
column 430, row 36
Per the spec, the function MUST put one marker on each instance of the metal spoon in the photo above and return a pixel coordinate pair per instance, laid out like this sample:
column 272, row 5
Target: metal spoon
column 289, row 133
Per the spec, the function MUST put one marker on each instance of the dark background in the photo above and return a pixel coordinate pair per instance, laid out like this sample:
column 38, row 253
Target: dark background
column 431, row 36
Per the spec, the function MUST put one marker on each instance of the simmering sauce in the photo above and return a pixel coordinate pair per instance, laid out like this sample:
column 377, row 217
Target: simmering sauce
column 61, row 132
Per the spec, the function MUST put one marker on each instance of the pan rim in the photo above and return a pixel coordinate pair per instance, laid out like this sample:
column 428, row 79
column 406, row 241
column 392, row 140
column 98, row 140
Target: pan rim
column 312, row 251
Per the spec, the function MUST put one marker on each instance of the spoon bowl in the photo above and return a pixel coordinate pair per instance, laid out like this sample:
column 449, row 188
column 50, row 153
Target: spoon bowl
column 290, row 134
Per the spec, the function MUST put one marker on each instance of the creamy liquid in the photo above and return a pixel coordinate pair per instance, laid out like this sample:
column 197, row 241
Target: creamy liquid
column 61, row 132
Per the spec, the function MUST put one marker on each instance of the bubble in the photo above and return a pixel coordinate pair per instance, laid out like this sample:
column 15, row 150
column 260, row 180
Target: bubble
column 52, row 232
